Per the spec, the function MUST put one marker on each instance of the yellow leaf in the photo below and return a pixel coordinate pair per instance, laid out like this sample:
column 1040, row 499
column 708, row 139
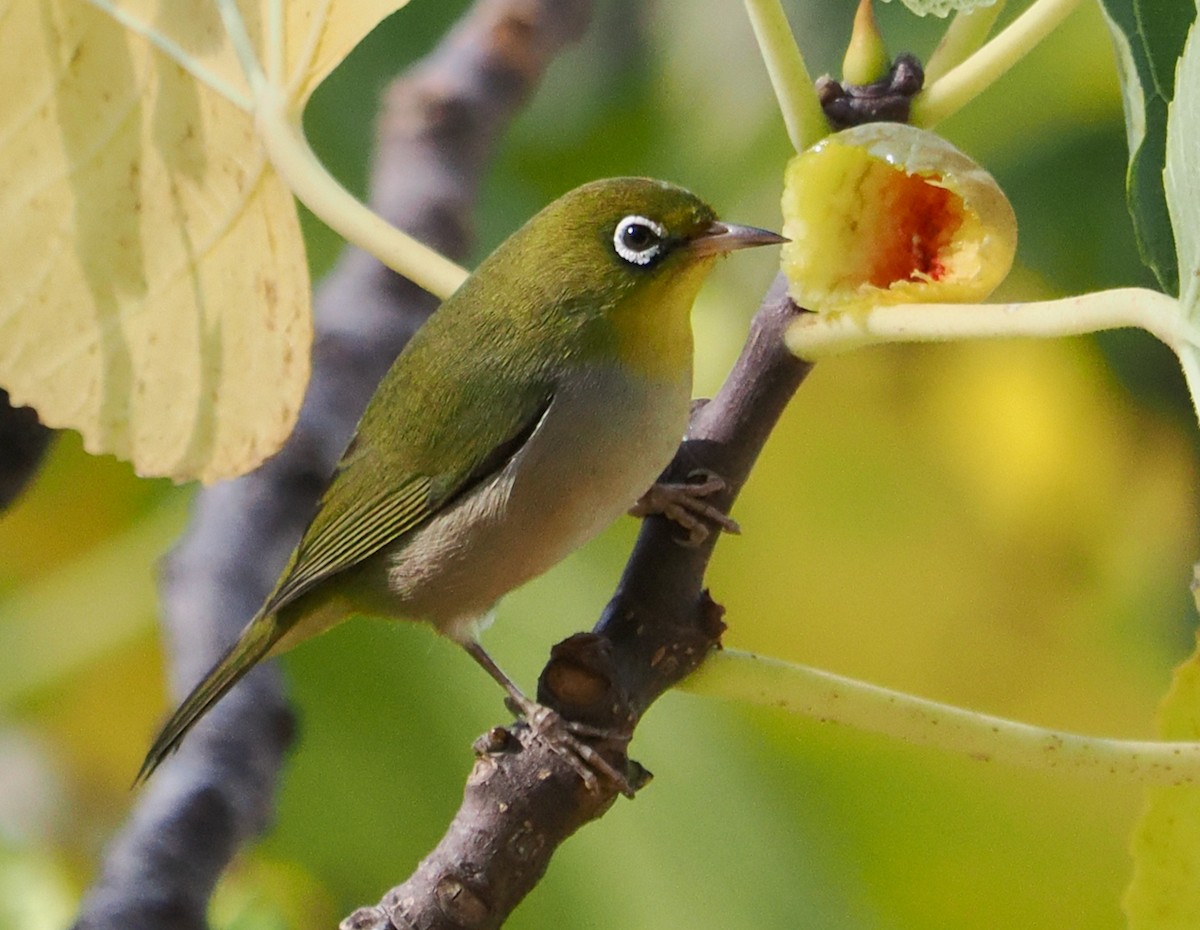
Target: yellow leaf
column 1164, row 893
column 156, row 296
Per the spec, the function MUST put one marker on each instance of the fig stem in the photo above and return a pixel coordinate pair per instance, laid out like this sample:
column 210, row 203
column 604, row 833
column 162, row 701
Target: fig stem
column 948, row 94
column 793, row 86
column 313, row 185
column 277, row 125
column 818, row 335
column 832, row 698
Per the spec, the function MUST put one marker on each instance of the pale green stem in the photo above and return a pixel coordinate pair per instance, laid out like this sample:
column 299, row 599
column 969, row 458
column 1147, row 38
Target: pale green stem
column 832, row 698
column 313, row 185
column 962, row 84
column 802, row 113
column 177, row 54
column 1189, row 361
column 817, row 335
column 321, row 192
column 962, row 38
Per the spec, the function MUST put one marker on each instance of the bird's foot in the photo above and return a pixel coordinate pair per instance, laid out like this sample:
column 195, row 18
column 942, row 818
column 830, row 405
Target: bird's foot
column 565, row 738
column 683, row 503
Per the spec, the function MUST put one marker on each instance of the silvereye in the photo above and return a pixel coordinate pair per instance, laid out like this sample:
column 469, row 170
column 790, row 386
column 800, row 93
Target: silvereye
column 527, row 414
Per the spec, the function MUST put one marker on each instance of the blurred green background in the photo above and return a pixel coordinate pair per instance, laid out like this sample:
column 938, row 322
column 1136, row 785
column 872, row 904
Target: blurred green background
column 1006, row 526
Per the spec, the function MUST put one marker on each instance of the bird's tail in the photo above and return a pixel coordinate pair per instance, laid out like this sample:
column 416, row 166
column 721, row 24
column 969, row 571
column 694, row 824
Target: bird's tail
column 254, row 643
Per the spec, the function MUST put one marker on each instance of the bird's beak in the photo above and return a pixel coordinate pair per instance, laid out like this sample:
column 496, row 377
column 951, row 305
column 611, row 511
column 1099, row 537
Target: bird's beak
column 720, row 238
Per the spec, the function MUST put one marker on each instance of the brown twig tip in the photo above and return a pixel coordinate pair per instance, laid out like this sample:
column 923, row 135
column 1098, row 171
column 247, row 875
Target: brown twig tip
column 495, row 741
column 712, row 618
column 887, row 100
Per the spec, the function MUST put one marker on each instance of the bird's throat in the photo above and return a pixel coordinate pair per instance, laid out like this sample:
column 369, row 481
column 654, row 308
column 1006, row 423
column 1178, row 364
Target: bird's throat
column 653, row 329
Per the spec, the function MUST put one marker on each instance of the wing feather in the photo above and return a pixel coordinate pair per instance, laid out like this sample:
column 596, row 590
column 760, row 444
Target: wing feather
column 442, row 420
column 350, row 527
column 354, row 533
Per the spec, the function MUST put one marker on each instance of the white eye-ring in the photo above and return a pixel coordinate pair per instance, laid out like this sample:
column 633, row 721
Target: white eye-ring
column 639, row 240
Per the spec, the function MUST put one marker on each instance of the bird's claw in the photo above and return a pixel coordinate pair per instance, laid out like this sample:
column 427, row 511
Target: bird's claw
column 563, row 738
column 683, row 503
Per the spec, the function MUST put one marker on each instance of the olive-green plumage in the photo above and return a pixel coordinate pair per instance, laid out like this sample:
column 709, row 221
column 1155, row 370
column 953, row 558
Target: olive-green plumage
column 526, row 415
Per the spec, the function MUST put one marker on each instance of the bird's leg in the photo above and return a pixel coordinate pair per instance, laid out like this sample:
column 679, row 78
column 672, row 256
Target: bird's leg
column 562, row 736
column 683, row 503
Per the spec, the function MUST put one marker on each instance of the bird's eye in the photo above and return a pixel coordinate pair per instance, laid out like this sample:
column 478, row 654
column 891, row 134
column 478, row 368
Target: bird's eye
column 638, row 240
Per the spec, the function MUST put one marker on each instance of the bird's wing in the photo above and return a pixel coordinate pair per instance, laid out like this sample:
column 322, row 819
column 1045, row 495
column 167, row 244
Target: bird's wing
column 347, row 535
column 391, row 480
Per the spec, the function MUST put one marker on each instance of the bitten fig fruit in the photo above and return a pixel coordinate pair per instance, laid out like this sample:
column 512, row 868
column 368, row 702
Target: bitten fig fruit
column 886, row 213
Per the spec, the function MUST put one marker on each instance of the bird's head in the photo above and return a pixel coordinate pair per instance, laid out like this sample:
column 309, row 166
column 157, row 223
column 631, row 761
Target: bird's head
column 615, row 265
column 626, row 231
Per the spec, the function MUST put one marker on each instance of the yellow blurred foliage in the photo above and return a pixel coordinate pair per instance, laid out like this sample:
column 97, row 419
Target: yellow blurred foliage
column 968, row 516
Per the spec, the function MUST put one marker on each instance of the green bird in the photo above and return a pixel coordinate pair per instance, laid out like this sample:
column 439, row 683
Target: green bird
column 529, row 412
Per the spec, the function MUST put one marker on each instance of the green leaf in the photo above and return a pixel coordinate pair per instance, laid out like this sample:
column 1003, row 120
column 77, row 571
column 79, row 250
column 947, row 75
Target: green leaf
column 1149, row 36
column 1181, row 174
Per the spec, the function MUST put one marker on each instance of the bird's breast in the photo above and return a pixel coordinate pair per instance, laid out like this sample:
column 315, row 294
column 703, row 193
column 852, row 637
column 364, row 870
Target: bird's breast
column 603, row 440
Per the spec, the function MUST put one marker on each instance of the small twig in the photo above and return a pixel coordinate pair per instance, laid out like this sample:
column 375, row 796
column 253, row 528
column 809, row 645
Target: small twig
column 521, row 802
